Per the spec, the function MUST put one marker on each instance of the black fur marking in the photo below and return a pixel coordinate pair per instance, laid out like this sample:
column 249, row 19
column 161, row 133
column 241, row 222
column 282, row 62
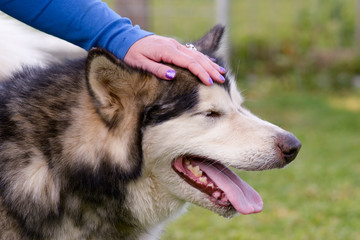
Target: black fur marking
column 226, row 85
column 105, row 179
column 166, row 109
column 6, row 125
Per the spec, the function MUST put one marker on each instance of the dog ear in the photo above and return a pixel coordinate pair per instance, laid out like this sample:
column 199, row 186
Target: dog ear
column 108, row 83
column 116, row 92
column 211, row 42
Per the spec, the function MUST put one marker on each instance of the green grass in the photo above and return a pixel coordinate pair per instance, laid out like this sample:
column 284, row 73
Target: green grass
column 317, row 196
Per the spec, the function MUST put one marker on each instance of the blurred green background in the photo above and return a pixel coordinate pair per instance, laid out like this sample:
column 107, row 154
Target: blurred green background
column 298, row 66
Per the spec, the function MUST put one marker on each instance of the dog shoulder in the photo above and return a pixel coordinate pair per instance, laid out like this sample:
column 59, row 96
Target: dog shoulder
column 30, row 126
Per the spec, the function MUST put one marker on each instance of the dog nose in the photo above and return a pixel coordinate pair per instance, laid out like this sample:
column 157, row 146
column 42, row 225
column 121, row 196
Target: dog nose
column 289, row 146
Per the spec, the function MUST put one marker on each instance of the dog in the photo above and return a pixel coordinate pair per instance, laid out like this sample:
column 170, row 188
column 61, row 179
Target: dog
column 94, row 149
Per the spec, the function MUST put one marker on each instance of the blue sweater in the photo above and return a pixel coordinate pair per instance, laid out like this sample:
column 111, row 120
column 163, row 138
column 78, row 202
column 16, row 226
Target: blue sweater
column 85, row 23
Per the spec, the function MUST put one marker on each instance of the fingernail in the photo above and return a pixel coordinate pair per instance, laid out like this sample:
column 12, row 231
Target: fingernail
column 170, row 74
column 211, row 81
column 222, row 69
column 213, row 59
column 222, row 78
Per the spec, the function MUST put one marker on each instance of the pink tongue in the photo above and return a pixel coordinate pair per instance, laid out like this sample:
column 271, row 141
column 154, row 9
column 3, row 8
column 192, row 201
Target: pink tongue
column 241, row 195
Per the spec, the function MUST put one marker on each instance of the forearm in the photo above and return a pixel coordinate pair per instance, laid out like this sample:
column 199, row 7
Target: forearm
column 85, row 23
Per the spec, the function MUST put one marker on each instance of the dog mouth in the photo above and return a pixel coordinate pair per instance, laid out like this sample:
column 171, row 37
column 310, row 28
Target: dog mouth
column 222, row 185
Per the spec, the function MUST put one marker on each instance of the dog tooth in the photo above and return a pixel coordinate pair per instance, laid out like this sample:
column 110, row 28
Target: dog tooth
column 197, row 172
column 203, row 179
column 211, row 185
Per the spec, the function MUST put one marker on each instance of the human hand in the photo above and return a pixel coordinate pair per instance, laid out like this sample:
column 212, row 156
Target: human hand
column 148, row 53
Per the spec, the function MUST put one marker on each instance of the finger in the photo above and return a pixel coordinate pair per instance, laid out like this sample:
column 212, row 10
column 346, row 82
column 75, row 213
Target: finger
column 214, row 70
column 212, row 59
column 198, row 66
column 185, row 60
column 159, row 70
column 194, row 67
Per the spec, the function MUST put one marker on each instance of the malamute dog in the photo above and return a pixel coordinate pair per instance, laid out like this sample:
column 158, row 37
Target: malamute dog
column 94, row 149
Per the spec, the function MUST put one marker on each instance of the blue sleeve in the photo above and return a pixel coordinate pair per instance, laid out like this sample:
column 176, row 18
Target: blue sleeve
column 85, row 23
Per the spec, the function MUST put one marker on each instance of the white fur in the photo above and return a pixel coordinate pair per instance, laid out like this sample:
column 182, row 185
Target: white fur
column 37, row 48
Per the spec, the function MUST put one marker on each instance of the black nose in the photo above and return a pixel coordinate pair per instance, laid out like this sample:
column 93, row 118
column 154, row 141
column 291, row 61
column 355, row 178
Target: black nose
column 289, row 146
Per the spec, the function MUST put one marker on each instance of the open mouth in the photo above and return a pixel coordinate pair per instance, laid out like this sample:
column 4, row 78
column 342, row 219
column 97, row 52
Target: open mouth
column 222, row 185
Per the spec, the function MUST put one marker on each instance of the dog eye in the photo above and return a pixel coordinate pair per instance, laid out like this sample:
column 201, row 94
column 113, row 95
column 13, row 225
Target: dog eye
column 212, row 114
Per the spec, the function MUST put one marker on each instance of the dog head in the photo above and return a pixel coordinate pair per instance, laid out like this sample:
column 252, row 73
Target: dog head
column 191, row 152
column 188, row 134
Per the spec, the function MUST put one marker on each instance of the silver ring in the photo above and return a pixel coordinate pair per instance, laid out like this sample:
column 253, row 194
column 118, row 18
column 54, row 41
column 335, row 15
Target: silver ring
column 190, row 46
